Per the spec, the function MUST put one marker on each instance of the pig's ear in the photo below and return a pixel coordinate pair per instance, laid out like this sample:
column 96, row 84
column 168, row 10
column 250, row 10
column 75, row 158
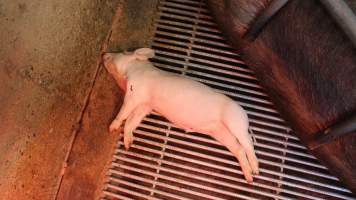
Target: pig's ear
column 144, row 53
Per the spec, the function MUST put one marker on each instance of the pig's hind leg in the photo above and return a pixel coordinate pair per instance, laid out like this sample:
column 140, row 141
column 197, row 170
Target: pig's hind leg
column 223, row 135
column 132, row 122
column 236, row 121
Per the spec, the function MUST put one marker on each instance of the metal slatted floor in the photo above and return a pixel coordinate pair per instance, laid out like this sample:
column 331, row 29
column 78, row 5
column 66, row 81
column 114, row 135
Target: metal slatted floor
column 165, row 162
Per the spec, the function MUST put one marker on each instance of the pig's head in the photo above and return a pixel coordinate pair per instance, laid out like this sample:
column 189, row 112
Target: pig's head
column 117, row 63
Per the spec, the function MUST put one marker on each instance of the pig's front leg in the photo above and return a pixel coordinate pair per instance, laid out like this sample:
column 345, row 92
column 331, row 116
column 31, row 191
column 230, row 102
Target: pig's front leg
column 133, row 121
column 131, row 101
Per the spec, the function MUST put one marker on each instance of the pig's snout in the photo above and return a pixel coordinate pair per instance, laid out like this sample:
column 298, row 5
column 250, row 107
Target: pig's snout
column 108, row 61
column 107, row 57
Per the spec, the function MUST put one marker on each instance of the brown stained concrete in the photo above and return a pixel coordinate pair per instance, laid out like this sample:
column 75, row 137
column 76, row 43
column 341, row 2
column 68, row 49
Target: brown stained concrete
column 93, row 147
column 48, row 56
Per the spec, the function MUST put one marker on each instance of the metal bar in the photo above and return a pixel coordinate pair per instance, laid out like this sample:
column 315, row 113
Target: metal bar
column 179, row 5
column 159, row 57
column 178, row 149
column 189, row 191
column 215, row 142
column 124, row 190
column 227, row 152
column 218, row 44
column 177, row 16
column 200, row 28
column 110, row 194
column 348, row 126
column 192, row 176
column 236, row 171
column 184, row 31
column 257, row 177
column 209, row 157
column 175, row 11
column 263, row 18
column 343, row 16
column 210, row 173
column 144, row 180
column 258, row 135
column 214, row 63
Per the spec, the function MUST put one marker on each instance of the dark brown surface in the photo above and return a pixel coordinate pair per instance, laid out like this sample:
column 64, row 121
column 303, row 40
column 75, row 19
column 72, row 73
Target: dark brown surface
column 308, row 67
column 93, row 146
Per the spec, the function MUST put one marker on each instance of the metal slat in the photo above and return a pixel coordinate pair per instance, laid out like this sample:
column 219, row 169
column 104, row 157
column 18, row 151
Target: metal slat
column 210, row 141
column 195, row 176
column 224, row 152
column 165, row 21
column 180, row 17
column 201, row 53
column 210, row 75
column 236, row 171
column 179, row 4
column 215, row 142
column 214, row 63
column 160, row 58
column 184, row 31
column 189, row 191
column 258, row 177
column 204, row 41
column 206, row 68
column 181, row 9
column 114, row 172
column 113, row 195
column 210, row 174
column 171, row 132
column 199, row 170
column 186, row 36
column 124, row 190
column 195, row 3
column 176, row 12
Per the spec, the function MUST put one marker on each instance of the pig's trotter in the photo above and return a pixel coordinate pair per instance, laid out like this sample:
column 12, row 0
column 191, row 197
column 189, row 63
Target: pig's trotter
column 132, row 122
column 128, row 140
column 115, row 126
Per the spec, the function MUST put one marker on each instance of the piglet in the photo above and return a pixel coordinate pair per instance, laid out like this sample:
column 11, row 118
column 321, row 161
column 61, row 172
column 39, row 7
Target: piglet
column 188, row 104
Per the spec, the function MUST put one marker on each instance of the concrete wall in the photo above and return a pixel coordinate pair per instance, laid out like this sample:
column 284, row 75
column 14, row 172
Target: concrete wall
column 93, row 148
column 53, row 139
column 48, row 55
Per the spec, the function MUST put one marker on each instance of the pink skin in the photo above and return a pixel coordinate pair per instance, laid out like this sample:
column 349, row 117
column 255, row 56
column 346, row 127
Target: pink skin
column 187, row 103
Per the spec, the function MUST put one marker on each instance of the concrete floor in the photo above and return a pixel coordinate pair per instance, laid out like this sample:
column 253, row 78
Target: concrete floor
column 49, row 64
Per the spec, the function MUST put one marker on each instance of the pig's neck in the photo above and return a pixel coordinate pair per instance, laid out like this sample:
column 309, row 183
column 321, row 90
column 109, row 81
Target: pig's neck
column 129, row 69
column 135, row 67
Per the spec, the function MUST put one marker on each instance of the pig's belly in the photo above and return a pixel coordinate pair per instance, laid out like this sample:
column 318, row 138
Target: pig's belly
column 188, row 104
